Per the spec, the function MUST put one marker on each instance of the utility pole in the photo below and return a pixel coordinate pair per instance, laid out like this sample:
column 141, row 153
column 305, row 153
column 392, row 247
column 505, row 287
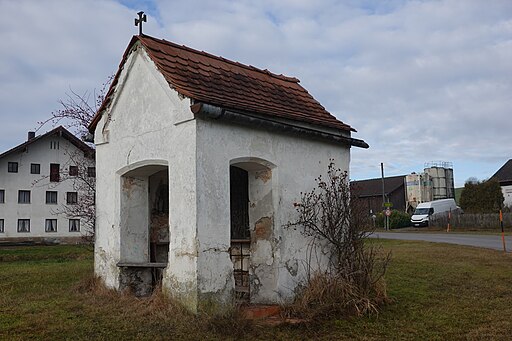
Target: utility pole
column 382, row 177
column 383, row 194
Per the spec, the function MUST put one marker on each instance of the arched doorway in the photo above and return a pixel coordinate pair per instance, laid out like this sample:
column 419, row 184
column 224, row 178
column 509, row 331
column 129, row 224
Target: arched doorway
column 144, row 226
column 251, row 227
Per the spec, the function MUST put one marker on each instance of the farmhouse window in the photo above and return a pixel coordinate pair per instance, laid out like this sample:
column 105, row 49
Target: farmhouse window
column 23, row 225
column 54, row 144
column 73, row 170
column 23, row 197
column 71, row 198
column 12, row 167
column 50, row 225
column 54, row 172
column 91, row 172
column 51, row 197
column 74, row 225
column 35, row 168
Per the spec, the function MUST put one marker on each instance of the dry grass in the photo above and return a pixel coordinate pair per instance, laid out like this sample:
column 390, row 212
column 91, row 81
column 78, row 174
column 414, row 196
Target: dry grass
column 161, row 309
column 439, row 292
column 327, row 296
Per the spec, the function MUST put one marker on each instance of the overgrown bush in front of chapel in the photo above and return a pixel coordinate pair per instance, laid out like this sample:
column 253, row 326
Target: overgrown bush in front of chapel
column 352, row 282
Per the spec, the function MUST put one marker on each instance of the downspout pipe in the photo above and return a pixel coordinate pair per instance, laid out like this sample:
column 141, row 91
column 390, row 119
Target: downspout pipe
column 213, row 112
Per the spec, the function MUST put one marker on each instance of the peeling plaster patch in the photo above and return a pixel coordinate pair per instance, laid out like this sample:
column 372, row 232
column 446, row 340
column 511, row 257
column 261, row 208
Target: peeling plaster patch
column 292, row 266
column 263, row 228
column 264, row 175
column 128, row 184
column 262, row 253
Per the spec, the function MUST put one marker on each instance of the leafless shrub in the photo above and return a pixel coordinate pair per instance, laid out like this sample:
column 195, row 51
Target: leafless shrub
column 77, row 110
column 353, row 282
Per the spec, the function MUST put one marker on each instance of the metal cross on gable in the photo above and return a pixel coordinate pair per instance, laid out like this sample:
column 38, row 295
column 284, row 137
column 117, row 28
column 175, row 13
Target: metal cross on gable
column 138, row 22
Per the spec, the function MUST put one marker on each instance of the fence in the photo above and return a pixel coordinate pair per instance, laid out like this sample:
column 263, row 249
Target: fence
column 468, row 220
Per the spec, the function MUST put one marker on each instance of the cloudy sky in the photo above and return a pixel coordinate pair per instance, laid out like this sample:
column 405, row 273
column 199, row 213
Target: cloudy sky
column 420, row 80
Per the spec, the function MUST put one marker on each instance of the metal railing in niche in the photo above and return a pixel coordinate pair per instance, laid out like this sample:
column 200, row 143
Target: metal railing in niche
column 239, row 253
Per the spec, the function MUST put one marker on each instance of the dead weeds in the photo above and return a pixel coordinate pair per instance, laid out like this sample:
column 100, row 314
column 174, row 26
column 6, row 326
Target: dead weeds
column 162, row 310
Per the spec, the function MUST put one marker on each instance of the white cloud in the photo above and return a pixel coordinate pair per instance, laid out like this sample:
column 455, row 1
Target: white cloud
column 419, row 80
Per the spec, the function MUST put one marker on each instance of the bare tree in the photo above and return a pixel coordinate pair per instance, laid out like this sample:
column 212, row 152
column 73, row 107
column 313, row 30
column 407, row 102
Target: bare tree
column 330, row 217
column 84, row 184
column 76, row 112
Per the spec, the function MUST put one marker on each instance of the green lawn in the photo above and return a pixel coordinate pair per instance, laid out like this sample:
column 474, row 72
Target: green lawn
column 440, row 292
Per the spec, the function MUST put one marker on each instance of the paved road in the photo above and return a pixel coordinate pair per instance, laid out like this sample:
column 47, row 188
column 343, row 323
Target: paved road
column 483, row 241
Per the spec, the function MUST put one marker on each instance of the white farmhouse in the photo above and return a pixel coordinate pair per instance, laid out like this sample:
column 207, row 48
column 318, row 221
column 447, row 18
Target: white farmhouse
column 199, row 162
column 37, row 182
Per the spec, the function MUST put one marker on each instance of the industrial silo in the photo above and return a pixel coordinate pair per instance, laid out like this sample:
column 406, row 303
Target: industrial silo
column 450, row 184
column 419, row 189
column 442, row 179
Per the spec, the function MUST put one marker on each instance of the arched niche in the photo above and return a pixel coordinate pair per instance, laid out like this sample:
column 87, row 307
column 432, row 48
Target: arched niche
column 143, row 224
column 251, row 223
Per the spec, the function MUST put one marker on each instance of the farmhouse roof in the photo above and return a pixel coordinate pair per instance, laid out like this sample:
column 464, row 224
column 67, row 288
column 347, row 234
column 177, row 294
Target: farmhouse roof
column 59, row 131
column 231, row 85
column 504, row 174
column 373, row 187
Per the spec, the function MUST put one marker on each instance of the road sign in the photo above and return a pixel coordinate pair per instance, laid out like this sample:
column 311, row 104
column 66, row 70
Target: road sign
column 387, row 212
column 388, row 204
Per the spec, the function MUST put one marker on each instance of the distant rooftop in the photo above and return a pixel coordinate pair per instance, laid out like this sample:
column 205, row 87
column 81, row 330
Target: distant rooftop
column 504, row 174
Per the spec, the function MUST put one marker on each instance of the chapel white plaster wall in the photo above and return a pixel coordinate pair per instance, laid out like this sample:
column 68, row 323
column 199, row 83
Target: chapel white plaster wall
column 298, row 161
column 147, row 121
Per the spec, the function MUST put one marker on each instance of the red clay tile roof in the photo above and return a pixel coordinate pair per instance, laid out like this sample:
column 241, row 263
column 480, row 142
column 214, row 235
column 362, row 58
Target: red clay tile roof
column 214, row 80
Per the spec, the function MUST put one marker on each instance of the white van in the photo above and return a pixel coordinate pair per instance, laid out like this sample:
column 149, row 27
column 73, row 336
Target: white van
column 426, row 209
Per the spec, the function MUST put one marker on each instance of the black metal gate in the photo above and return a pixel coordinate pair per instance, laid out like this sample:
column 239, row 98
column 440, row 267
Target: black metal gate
column 240, row 234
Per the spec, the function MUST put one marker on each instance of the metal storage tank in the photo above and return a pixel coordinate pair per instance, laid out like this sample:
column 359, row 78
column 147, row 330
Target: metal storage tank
column 413, row 182
column 450, row 184
column 442, row 179
column 418, row 188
